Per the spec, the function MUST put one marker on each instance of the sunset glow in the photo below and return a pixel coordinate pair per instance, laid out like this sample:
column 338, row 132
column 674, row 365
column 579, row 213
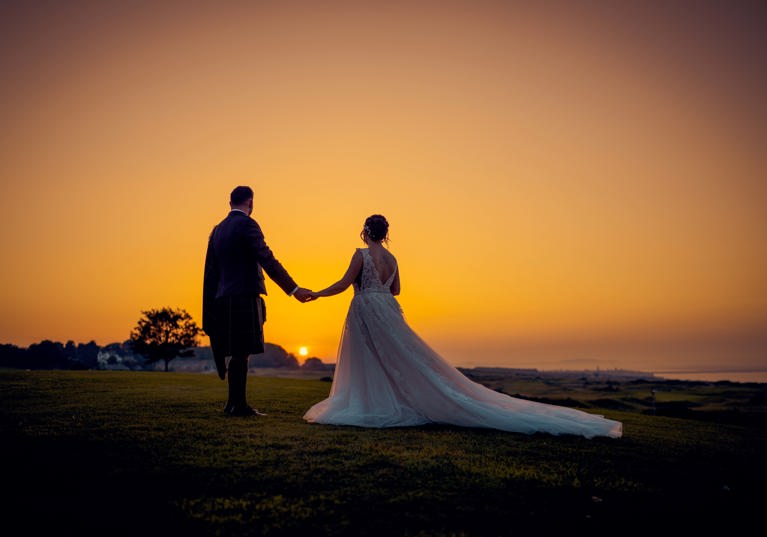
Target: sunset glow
column 587, row 179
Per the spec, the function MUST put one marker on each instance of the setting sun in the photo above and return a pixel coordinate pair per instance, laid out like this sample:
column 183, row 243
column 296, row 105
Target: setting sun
column 303, row 351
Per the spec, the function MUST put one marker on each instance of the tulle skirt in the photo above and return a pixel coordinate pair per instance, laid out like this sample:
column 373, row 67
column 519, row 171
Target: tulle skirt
column 387, row 376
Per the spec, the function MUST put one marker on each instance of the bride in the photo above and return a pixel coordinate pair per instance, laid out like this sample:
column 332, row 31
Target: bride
column 387, row 376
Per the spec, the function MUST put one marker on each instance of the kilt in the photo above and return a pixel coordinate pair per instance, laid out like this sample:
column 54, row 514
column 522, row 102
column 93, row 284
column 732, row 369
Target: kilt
column 238, row 326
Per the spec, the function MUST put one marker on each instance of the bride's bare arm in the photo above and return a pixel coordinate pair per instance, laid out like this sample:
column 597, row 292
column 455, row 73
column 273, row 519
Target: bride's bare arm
column 395, row 289
column 341, row 285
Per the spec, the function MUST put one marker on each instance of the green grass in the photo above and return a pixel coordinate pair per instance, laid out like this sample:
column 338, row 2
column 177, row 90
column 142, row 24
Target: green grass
column 140, row 453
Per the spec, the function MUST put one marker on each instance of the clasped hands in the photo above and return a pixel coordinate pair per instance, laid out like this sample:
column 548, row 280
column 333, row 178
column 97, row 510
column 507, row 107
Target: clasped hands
column 305, row 295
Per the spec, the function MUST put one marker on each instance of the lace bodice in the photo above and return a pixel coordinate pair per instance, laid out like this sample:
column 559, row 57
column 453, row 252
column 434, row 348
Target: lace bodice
column 369, row 280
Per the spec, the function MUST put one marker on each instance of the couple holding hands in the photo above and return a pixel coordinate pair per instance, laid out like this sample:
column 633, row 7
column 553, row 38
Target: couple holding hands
column 385, row 375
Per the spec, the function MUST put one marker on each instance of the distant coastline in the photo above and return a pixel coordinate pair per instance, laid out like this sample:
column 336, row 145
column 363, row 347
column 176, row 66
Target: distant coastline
column 590, row 374
column 276, row 361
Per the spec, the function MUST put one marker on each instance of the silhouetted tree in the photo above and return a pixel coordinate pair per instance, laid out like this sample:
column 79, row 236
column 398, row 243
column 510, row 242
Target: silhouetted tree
column 315, row 364
column 70, row 351
column 12, row 356
column 46, row 355
column 274, row 356
column 87, row 354
column 164, row 334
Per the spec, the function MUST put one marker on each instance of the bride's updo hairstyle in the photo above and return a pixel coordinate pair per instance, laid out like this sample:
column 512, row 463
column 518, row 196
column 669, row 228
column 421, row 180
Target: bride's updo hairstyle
column 376, row 229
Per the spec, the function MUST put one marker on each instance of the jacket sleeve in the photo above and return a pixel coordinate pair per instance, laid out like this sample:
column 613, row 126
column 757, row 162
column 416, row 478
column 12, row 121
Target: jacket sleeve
column 266, row 258
column 209, row 286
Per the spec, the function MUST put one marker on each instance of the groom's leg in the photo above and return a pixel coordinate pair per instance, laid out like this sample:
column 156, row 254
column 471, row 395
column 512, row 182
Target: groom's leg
column 238, row 376
column 231, row 401
column 243, row 397
column 233, row 373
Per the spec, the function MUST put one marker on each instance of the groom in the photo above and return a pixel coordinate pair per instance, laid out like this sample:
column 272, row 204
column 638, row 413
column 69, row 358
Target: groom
column 233, row 311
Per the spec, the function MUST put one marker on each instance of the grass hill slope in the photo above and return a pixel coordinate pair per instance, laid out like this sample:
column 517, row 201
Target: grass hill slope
column 142, row 453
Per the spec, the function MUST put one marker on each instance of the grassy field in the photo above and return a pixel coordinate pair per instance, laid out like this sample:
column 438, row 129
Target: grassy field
column 140, row 453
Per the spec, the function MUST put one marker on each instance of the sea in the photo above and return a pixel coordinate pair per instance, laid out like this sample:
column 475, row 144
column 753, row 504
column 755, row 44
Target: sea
column 691, row 375
column 715, row 376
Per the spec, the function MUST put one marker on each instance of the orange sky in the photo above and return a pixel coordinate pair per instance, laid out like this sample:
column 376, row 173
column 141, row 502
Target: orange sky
column 557, row 175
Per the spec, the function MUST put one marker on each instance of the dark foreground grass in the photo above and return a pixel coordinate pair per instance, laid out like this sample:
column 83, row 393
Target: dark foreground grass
column 124, row 453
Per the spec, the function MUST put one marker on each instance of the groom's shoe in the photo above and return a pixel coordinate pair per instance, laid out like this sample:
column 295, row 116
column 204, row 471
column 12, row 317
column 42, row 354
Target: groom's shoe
column 245, row 411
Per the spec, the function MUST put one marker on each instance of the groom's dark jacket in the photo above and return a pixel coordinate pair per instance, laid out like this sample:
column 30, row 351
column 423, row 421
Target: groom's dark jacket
column 236, row 254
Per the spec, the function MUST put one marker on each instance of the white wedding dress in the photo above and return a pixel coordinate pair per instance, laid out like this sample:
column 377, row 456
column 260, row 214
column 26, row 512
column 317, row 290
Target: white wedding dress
column 387, row 376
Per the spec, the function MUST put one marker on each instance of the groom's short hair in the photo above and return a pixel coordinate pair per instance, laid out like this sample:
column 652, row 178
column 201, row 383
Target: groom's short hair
column 240, row 195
